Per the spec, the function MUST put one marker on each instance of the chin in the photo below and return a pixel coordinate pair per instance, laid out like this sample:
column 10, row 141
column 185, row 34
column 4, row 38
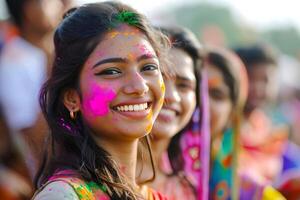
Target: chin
column 165, row 133
column 135, row 132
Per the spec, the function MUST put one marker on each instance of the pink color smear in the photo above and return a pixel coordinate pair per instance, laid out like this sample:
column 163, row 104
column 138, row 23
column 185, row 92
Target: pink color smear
column 97, row 104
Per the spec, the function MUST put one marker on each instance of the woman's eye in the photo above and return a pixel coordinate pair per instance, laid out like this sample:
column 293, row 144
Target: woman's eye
column 150, row 67
column 109, row 72
column 185, row 86
column 217, row 94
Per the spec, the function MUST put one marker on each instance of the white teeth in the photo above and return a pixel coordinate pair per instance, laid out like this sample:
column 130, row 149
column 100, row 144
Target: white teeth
column 130, row 108
column 140, row 107
column 167, row 112
column 135, row 107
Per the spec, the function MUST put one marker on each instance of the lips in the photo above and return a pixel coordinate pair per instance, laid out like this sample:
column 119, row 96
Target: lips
column 168, row 114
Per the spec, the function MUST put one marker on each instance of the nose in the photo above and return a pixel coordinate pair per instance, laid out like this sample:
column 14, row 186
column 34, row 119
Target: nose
column 171, row 94
column 136, row 84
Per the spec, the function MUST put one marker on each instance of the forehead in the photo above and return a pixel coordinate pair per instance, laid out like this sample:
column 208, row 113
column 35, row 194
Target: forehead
column 180, row 63
column 215, row 76
column 123, row 40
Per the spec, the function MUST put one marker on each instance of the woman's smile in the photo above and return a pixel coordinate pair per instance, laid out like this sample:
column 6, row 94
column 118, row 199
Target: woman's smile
column 135, row 110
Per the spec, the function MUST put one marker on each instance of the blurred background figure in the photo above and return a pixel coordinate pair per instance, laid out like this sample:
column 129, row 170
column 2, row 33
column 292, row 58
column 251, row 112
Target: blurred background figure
column 25, row 60
column 264, row 132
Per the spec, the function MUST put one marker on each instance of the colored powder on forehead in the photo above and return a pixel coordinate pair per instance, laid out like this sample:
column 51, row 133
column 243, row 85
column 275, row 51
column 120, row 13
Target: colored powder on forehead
column 214, row 81
column 97, row 103
column 143, row 48
column 99, row 53
column 115, row 33
column 130, row 56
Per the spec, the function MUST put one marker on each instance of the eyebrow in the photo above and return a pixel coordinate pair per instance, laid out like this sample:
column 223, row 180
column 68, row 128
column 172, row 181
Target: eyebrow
column 184, row 78
column 124, row 60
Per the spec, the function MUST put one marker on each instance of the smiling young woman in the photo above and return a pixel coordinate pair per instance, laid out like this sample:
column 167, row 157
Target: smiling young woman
column 104, row 93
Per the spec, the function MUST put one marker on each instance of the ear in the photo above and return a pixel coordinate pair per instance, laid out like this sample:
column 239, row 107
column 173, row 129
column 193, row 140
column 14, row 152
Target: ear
column 71, row 100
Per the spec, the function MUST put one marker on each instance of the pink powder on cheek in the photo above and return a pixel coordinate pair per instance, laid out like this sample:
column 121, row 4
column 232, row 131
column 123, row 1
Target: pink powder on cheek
column 97, row 103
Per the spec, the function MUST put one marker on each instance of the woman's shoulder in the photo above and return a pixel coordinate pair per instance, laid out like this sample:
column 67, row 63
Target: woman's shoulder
column 70, row 187
column 56, row 190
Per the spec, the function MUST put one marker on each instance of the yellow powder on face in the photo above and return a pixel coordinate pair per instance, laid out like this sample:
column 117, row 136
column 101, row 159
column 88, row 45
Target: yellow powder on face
column 149, row 128
column 163, row 89
column 150, row 118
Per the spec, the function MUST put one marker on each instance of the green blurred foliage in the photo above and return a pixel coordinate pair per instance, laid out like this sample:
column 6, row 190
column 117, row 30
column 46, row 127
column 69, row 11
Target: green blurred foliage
column 287, row 39
column 200, row 15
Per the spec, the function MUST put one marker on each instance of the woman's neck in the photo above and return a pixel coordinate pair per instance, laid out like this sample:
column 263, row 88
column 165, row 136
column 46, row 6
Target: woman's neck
column 160, row 146
column 124, row 153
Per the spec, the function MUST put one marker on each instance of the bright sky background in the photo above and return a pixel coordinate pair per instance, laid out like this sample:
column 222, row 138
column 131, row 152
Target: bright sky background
column 259, row 13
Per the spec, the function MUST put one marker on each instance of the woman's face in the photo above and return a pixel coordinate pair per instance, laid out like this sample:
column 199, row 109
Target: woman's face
column 219, row 101
column 180, row 97
column 121, row 85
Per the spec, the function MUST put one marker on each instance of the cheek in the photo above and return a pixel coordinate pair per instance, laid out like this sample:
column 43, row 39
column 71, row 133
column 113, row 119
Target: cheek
column 220, row 113
column 96, row 101
column 188, row 103
column 158, row 89
column 162, row 91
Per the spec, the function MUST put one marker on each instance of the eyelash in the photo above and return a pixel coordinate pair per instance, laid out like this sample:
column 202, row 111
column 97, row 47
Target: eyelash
column 147, row 66
column 109, row 72
column 115, row 71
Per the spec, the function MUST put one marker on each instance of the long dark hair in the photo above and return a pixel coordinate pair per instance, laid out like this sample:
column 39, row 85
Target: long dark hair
column 185, row 40
column 70, row 145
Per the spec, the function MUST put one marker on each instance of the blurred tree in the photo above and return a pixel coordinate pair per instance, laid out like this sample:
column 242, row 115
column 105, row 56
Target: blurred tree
column 203, row 16
column 287, row 39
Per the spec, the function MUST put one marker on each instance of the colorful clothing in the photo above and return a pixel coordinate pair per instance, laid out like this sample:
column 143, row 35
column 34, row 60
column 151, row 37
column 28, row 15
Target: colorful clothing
column 66, row 185
column 221, row 180
column 176, row 188
column 262, row 148
column 195, row 144
column 289, row 187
